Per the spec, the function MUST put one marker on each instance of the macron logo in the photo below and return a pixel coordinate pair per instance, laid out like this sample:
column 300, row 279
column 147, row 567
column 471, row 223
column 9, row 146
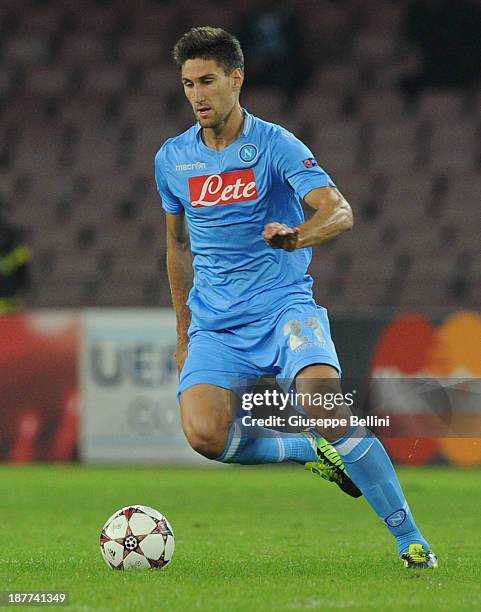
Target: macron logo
column 194, row 166
column 225, row 188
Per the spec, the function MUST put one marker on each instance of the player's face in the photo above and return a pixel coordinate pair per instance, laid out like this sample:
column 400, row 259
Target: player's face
column 210, row 91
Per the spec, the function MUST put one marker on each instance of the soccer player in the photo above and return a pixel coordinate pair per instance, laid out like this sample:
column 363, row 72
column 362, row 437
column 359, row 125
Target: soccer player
column 231, row 187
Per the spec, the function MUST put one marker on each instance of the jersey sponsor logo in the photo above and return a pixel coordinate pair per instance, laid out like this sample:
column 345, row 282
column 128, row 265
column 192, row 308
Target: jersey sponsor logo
column 194, row 166
column 225, row 188
column 248, row 153
column 310, row 162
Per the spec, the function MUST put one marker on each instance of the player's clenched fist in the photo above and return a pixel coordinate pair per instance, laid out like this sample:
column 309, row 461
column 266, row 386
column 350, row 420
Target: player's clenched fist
column 281, row 236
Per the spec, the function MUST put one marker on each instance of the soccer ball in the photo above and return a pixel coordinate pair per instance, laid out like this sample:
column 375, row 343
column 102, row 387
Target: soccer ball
column 137, row 537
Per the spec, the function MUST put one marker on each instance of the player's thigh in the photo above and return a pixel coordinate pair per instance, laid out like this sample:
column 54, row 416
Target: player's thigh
column 209, row 385
column 318, row 376
column 207, row 412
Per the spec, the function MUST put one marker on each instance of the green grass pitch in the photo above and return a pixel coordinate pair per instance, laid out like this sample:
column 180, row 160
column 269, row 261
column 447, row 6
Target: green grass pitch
column 247, row 539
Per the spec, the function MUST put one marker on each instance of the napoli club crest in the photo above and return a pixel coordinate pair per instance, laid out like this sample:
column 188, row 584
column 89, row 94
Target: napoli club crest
column 396, row 518
column 248, row 153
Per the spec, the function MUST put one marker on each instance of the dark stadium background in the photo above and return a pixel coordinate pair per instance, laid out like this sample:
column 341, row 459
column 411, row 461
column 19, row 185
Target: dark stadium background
column 88, row 93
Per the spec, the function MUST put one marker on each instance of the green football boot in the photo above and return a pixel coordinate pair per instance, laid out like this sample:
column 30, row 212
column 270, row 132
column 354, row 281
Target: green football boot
column 329, row 465
column 418, row 557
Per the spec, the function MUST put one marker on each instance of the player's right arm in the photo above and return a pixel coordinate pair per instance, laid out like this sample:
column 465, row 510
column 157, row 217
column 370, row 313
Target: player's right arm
column 179, row 269
column 179, row 258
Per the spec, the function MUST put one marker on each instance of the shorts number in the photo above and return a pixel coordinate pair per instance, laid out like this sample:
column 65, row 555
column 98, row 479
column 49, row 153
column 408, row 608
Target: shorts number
column 315, row 325
column 293, row 329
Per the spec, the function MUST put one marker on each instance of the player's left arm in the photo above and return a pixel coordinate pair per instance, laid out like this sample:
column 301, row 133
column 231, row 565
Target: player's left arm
column 295, row 165
column 333, row 216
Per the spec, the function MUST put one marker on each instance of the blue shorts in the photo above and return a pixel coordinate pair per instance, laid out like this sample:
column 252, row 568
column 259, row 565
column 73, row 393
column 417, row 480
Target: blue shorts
column 281, row 344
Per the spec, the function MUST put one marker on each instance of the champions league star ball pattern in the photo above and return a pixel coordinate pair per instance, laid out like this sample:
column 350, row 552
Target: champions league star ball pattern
column 137, row 537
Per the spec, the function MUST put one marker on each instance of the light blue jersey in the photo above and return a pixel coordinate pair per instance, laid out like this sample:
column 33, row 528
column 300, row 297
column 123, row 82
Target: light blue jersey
column 228, row 197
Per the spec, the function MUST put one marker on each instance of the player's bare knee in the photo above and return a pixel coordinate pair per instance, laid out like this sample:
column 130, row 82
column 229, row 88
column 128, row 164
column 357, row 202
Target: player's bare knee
column 206, row 419
column 207, row 442
column 205, row 436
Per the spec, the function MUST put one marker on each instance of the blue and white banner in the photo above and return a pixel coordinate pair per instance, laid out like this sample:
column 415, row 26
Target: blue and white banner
column 128, row 378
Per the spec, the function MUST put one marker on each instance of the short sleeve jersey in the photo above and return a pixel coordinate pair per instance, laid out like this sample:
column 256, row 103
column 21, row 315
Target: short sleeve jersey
column 228, row 197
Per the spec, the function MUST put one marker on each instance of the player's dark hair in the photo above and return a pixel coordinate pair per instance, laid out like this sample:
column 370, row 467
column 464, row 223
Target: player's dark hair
column 209, row 43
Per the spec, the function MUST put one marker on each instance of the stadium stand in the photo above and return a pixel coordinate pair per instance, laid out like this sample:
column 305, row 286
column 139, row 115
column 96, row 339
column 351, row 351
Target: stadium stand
column 88, row 94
